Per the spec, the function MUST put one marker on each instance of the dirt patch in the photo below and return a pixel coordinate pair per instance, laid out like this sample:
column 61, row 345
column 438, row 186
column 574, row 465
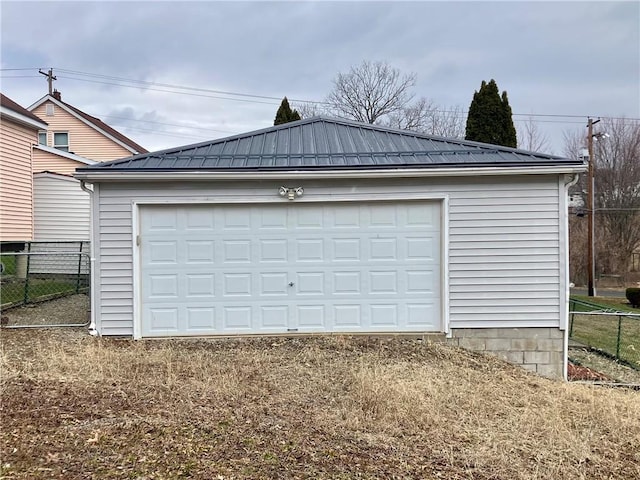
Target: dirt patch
column 606, row 366
column 74, row 407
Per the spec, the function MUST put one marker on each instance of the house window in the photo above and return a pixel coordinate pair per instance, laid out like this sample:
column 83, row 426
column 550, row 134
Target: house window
column 61, row 141
column 50, row 109
column 42, row 138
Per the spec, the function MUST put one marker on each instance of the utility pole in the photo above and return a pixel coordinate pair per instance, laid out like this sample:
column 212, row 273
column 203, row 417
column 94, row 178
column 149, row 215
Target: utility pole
column 591, row 269
column 50, row 78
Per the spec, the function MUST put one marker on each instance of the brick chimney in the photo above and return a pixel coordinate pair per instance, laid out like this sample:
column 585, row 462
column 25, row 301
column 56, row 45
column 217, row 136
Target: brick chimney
column 57, row 95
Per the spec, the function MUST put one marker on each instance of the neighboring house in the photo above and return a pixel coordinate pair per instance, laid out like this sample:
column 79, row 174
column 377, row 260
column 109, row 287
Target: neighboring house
column 72, row 139
column 18, row 133
column 332, row 226
column 74, row 131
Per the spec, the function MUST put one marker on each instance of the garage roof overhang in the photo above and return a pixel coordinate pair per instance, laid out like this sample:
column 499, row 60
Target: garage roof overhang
column 196, row 175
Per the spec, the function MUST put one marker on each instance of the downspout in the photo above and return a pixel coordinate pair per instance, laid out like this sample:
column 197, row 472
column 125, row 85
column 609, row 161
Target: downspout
column 565, row 347
column 572, row 182
column 92, row 261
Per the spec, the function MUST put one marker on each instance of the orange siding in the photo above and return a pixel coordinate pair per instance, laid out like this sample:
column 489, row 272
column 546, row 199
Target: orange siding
column 48, row 162
column 83, row 139
column 16, row 181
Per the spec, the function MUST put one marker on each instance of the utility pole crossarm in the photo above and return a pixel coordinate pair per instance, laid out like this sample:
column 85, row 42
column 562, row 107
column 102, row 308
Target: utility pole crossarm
column 50, row 78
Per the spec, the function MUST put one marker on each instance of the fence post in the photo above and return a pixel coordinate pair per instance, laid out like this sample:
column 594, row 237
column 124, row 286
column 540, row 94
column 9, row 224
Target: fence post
column 25, row 299
column 571, row 302
column 618, row 340
column 79, row 269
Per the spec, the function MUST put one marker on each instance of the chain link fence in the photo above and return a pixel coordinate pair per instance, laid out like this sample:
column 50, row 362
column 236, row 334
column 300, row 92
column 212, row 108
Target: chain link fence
column 614, row 333
column 42, row 273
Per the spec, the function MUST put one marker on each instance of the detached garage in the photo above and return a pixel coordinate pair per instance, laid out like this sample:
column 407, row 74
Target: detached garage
column 331, row 226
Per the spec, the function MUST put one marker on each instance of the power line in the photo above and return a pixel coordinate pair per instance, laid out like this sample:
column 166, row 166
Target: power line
column 247, row 96
column 181, row 87
column 168, row 91
column 164, row 134
column 220, row 92
column 162, row 123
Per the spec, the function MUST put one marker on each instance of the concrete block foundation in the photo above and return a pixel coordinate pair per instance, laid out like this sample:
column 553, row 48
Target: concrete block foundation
column 539, row 350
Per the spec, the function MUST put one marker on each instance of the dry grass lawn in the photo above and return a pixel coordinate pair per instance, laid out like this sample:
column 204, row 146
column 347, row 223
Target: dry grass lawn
column 77, row 407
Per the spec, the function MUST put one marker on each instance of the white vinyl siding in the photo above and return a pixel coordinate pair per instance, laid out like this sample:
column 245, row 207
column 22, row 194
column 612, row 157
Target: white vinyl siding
column 61, row 209
column 503, row 240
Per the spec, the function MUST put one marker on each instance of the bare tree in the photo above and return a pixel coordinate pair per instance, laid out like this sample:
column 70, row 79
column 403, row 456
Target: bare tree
column 617, row 189
column 530, row 137
column 448, row 122
column 370, row 91
column 617, row 197
column 311, row 109
column 425, row 116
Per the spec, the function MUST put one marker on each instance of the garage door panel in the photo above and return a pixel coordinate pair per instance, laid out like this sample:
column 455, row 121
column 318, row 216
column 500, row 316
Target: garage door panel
column 346, row 283
column 420, row 282
column 383, row 249
column 346, row 249
column 236, row 251
column 274, row 317
column 311, row 318
column 346, row 217
column 216, row 269
column 236, row 318
column 161, row 220
column 347, row 317
column 383, row 282
column 198, row 251
column 199, row 220
column 274, row 284
column 310, row 283
column 384, row 315
column 236, row 284
column 309, row 218
column 200, row 285
column 163, row 286
column 163, row 319
column 200, row 318
column 422, row 316
column 163, row 252
column 273, row 250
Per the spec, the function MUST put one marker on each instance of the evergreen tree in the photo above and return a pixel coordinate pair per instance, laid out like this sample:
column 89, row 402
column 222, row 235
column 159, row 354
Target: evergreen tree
column 490, row 117
column 285, row 114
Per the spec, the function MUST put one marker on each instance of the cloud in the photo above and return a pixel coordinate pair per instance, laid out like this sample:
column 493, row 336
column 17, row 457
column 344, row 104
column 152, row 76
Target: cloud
column 552, row 57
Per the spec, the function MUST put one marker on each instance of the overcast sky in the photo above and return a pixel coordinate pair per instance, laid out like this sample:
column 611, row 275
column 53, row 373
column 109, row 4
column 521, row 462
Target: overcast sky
column 553, row 58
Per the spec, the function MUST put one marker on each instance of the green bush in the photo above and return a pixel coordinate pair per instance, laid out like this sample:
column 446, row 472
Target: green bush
column 633, row 295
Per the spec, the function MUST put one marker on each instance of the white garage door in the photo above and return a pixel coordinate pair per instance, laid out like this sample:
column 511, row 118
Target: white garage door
column 334, row 267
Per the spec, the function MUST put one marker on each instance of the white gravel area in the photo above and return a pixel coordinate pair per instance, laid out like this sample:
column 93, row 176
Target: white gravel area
column 73, row 309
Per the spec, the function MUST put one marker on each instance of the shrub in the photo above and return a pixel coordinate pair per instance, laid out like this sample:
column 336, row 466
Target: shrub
column 633, row 295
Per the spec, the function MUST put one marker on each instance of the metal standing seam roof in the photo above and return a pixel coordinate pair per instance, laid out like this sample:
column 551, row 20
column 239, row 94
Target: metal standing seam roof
column 328, row 143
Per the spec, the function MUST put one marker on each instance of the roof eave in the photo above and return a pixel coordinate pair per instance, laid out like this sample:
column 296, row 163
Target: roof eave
column 93, row 175
column 22, row 119
column 69, row 155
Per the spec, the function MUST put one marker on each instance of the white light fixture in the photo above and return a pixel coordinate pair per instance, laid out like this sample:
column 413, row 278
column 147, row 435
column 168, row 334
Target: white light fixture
column 291, row 192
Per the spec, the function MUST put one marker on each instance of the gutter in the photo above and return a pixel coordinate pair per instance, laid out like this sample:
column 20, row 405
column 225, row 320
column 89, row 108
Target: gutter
column 92, row 261
column 200, row 175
